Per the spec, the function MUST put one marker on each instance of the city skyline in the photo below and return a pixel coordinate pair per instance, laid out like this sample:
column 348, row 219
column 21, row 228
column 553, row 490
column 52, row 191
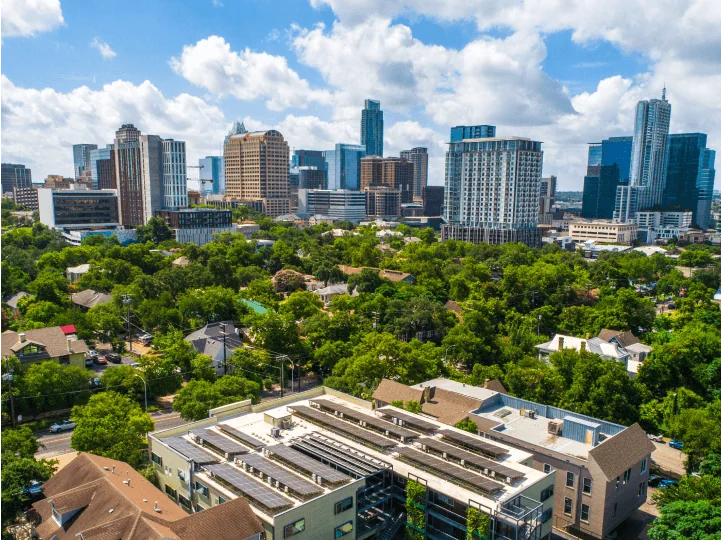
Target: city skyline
column 573, row 81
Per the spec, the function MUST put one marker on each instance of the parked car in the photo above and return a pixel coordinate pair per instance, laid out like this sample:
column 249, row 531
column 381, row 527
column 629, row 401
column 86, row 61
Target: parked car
column 114, row 358
column 654, row 479
column 92, row 353
column 145, row 338
column 100, row 360
column 33, row 490
column 611, row 536
column 678, row 445
column 671, row 306
column 655, row 438
column 88, row 362
column 666, row 482
column 135, row 365
column 65, row 425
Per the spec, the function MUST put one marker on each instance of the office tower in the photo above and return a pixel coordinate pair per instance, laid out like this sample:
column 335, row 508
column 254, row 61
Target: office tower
column 548, row 195
column 81, row 158
column 419, row 158
column 458, row 133
column 395, row 173
column 492, row 190
column 609, row 165
column 129, row 176
column 175, row 180
column 689, row 177
column 311, row 158
column 372, row 128
column 213, row 172
column 383, row 202
column 344, row 166
column 626, row 203
column 648, row 157
column 256, row 168
column 102, row 168
column 310, row 178
column 15, row 176
column 432, row 200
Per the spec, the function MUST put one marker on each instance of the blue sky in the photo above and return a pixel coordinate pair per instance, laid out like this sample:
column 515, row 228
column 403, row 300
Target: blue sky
column 566, row 73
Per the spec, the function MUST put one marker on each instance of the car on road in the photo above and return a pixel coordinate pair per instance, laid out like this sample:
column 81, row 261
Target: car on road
column 135, row 365
column 666, row 482
column 145, row 338
column 114, row 358
column 100, row 360
column 654, row 479
column 678, row 445
column 655, row 438
column 65, row 425
column 88, row 362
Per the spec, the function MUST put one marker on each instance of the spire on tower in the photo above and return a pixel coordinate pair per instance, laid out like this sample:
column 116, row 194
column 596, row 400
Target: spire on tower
column 663, row 94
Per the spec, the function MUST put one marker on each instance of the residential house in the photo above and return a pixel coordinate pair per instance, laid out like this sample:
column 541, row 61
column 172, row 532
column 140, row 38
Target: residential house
column 638, row 351
column 89, row 298
column 610, row 351
column 53, row 344
column 392, row 275
column 181, row 261
column 74, row 273
column 217, row 340
column 331, row 291
column 97, row 497
column 12, row 301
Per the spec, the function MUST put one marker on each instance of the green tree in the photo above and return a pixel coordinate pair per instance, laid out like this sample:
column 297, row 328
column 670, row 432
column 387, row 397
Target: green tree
column 367, row 280
column 105, row 322
column 19, row 469
column 21, row 442
column 700, row 431
column 468, row 425
column 201, row 367
column 210, row 304
column 301, row 305
column 199, row 396
column 687, row 519
column 155, row 231
column 111, row 425
column 50, row 386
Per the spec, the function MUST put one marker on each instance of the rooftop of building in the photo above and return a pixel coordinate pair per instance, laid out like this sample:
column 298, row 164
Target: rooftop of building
column 594, row 345
column 89, row 298
column 52, row 342
column 313, row 429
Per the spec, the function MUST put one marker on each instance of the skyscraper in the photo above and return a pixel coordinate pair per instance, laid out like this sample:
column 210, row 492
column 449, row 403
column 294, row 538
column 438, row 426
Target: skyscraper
column 129, row 175
column 609, row 164
column 81, row 158
column 548, row 194
column 372, row 128
column 175, row 180
column 311, row 158
column 482, row 131
column 238, row 128
column 492, row 190
column 648, row 157
column 151, row 161
column 392, row 172
column 419, row 157
column 706, row 177
column 256, row 168
column 344, row 166
column 102, row 169
column 15, row 176
column 213, row 168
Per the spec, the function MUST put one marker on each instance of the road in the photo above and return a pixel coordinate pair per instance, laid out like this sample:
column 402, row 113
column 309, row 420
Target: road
column 55, row 444
column 669, row 460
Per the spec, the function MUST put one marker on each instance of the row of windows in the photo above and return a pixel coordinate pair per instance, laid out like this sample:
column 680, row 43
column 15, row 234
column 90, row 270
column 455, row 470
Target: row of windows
column 341, row 506
column 568, row 509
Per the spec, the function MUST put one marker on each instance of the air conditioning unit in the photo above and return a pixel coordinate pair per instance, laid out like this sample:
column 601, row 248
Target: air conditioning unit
column 275, row 432
column 528, row 413
column 555, row 427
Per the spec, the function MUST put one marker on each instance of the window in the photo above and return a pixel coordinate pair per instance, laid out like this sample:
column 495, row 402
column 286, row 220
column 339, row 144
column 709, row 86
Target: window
column 570, row 479
column 294, row 528
column 547, row 514
column 181, row 475
column 65, row 359
column 547, row 468
column 171, row 492
column 643, row 465
column 344, row 529
column 587, row 485
column 546, row 493
column 585, row 510
column 641, row 488
column 342, row 506
column 185, row 503
column 444, row 501
column 157, row 459
column 567, row 506
column 221, row 499
column 615, row 509
column 627, row 476
column 200, row 488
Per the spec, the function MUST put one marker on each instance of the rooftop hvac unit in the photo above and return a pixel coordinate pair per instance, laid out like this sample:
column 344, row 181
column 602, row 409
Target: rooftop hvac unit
column 528, row 413
column 275, row 432
column 319, row 480
column 395, row 421
column 555, row 427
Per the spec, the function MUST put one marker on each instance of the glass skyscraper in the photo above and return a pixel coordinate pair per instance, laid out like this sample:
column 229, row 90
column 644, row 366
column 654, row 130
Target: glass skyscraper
column 344, row 166
column 175, row 180
column 81, row 157
column 311, row 158
column 213, row 169
column 372, row 128
column 608, row 167
column 458, row 133
column 101, row 168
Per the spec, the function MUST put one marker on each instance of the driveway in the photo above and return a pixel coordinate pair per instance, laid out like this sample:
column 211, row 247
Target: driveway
column 669, row 460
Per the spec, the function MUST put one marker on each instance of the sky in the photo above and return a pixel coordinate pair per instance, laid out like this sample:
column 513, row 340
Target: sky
column 565, row 72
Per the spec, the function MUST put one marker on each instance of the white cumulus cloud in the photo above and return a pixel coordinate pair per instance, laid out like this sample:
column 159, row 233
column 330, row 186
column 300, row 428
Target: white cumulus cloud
column 103, row 48
column 28, row 17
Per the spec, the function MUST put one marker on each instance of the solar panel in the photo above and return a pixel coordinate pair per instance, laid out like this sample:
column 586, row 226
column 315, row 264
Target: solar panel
column 217, row 441
column 355, row 465
column 446, row 470
column 471, row 459
column 463, row 440
column 352, row 431
column 243, row 437
column 241, row 484
column 310, row 466
column 409, row 419
column 297, row 485
column 369, row 419
column 190, row 451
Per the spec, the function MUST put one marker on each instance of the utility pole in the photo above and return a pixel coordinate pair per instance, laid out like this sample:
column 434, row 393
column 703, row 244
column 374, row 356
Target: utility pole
column 281, row 376
column 10, row 377
column 126, row 302
column 538, row 327
column 146, row 391
column 225, row 359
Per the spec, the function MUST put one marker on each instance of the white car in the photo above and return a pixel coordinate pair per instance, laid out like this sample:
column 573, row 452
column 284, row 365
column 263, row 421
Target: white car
column 65, row 425
column 655, row 438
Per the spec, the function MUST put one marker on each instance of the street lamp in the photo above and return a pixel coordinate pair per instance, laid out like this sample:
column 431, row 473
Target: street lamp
column 146, row 391
column 445, row 356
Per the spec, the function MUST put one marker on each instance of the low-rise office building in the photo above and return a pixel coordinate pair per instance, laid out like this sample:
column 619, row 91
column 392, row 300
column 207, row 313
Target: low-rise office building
column 68, row 209
column 603, row 231
column 601, row 468
column 198, row 225
column 322, row 464
column 338, row 204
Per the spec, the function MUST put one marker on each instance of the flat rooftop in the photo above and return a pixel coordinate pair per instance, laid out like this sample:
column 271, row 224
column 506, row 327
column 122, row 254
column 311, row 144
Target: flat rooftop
column 314, row 427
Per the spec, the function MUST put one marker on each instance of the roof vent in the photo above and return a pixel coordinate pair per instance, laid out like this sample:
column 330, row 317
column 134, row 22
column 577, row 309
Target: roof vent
column 111, row 511
column 21, row 335
column 126, row 482
column 106, row 468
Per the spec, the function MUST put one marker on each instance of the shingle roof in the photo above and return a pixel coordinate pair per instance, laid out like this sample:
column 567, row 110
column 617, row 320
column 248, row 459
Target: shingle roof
column 389, row 391
column 12, row 301
column 621, row 451
column 624, row 338
column 496, row 386
column 52, row 338
column 111, row 509
column 89, row 298
column 449, row 407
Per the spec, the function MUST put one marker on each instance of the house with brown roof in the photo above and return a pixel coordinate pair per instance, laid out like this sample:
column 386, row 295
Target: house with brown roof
column 392, row 275
column 52, row 344
column 88, row 299
column 101, row 498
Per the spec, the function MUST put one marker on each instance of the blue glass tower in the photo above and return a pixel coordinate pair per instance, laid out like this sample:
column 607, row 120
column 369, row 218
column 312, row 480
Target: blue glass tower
column 81, row 157
column 101, row 168
column 213, row 169
column 311, row 158
column 609, row 164
column 344, row 166
column 458, row 133
column 372, row 128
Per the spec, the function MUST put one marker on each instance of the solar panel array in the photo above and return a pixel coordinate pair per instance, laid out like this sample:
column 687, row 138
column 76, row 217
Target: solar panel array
column 244, row 437
column 474, row 443
column 254, row 491
column 411, row 420
column 330, row 451
column 310, row 466
column 369, row 419
column 447, row 470
column 297, row 485
column 190, row 450
column 216, row 440
column 470, row 458
column 352, row 431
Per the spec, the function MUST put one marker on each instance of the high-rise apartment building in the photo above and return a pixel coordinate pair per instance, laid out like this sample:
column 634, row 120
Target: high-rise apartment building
column 548, row 195
column 690, row 176
column 626, row 204
column 609, row 165
column 151, row 152
column 256, row 168
column 483, row 131
column 81, row 158
column 213, row 172
column 14, row 175
column 102, row 168
column 395, row 173
column 175, row 180
column 372, row 128
column 129, row 175
column 343, row 166
column 492, row 190
column 648, row 157
column 419, row 157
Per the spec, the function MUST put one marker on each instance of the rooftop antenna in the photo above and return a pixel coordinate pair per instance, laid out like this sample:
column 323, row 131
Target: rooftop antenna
column 663, row 94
